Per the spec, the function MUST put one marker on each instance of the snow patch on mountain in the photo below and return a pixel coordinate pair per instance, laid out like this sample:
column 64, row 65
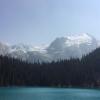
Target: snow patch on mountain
column 78, row 39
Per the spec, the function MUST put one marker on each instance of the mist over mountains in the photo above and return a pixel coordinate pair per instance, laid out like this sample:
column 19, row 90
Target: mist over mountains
column 70, row 46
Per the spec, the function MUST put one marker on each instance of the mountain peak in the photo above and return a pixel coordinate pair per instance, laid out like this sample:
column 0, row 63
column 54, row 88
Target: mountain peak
column 75, row 45
column 73, row 39
column 78, row 39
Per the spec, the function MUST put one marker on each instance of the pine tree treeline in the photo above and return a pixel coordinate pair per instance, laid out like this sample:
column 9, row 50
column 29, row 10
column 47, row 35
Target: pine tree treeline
column 65, row 73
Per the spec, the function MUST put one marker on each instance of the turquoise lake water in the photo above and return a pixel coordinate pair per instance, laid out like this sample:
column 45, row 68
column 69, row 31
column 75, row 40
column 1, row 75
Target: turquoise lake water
column 49, row 94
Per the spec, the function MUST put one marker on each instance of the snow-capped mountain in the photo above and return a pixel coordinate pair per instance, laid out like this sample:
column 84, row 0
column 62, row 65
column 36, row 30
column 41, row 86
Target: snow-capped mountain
column 70, row 46
column 28, row 53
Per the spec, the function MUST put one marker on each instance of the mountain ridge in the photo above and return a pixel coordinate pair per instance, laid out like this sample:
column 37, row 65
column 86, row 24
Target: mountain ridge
column 70, row 46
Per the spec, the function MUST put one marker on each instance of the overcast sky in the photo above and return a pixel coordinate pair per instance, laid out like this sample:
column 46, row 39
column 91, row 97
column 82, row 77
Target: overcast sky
column 41, row 21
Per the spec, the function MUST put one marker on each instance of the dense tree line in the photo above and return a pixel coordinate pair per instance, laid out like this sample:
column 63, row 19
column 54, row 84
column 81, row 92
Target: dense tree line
column 83, row 72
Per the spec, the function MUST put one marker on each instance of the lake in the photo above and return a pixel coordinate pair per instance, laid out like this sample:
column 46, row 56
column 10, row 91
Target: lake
column 49, row 94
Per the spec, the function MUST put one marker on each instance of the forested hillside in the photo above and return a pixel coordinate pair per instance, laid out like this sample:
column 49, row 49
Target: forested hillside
column 64, row 73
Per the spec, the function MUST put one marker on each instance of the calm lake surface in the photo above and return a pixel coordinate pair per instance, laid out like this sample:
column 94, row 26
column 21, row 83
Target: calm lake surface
column 49, row 94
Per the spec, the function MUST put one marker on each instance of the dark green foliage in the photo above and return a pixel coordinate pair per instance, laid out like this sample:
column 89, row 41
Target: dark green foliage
column 65, row 73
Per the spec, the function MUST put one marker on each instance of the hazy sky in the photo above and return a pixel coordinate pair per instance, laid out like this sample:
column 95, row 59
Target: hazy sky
column 41, row 21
